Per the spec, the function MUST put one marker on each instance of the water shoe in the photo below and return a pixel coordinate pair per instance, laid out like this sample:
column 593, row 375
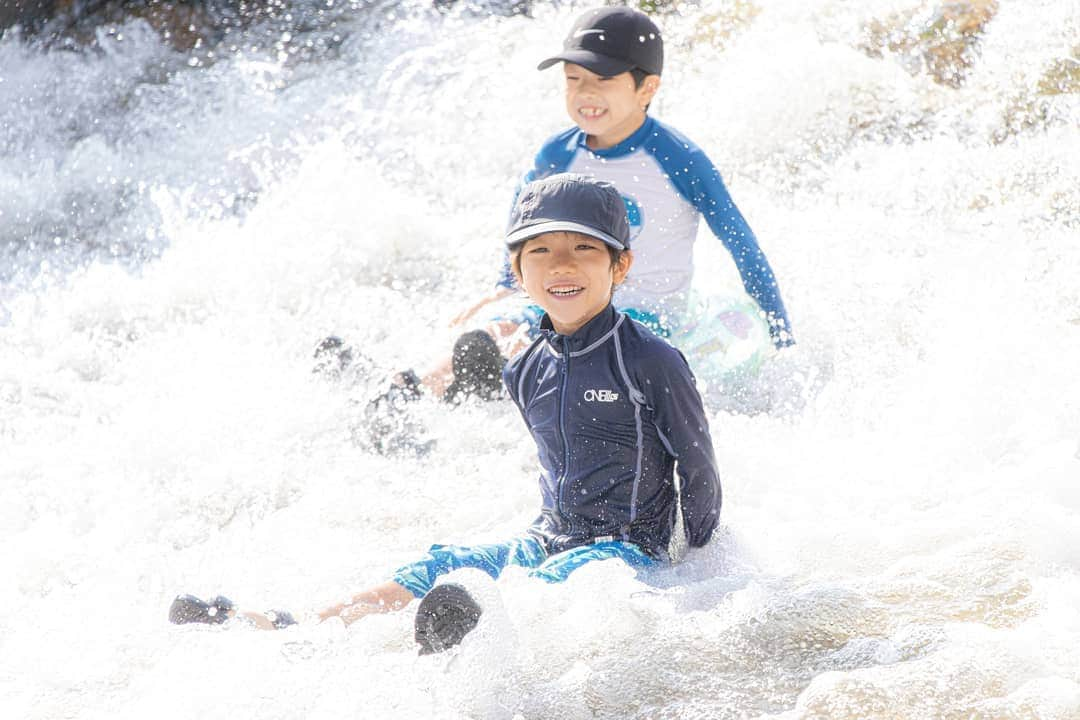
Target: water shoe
column 445, row 616
column 478, row 366
column 190, row 609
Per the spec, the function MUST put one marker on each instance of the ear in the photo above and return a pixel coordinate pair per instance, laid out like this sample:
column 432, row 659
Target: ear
column 649, row 87
column 622, row 267
column 515, row 269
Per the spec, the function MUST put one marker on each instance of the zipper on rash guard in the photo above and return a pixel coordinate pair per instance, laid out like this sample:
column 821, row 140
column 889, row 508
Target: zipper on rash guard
column 562, row 433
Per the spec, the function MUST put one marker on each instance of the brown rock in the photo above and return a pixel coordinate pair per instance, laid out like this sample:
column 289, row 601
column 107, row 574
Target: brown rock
column 25, row 12
column 1062, row 77
column 718, row 28
column 1041, row 106
column 945, row 43
column 182, row 24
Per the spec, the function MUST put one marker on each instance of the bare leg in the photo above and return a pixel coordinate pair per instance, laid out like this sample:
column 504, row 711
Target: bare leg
column 260, row 620
column 438, row 376
column 511, row 337
column 380, row 599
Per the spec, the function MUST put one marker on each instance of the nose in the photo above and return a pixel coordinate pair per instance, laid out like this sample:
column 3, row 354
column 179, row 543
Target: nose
column 563, row 261
column 587, row 86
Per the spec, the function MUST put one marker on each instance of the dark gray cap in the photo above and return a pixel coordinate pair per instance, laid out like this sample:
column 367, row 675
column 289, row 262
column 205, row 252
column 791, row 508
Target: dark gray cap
column 570, row 203
column 612, row 40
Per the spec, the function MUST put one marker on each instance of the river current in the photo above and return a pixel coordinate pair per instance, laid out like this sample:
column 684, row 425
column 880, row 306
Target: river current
column 178, row 229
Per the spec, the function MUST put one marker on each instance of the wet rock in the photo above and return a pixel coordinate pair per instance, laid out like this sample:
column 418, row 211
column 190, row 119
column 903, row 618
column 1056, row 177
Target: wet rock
column 48, row 16
column 185, row 24
column 182, row 24
column 27, row 13
column 718, row 28
column 487, row 7
column 1062, row 77
column 652, row 7
column 944, row 42
column 1047, row 102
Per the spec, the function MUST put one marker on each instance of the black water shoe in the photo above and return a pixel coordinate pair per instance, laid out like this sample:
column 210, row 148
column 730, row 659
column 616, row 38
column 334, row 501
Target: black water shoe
column 190, row 609
column 280, row 618
column 446, row 615
column 478, row 367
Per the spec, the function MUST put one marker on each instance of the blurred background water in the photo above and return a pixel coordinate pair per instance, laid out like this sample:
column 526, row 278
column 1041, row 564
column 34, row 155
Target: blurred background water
column 189, row 203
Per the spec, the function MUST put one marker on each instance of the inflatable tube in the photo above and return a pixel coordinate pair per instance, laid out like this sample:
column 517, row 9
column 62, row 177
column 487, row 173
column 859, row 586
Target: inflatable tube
column 725, row 338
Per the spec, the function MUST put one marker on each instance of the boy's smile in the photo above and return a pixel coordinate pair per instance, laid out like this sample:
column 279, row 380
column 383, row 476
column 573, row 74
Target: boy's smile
column 607, row 109
column 570, row 276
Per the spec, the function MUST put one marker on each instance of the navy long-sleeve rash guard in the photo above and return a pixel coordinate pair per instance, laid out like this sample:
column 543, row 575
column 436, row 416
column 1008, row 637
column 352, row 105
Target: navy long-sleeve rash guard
column 613, row 410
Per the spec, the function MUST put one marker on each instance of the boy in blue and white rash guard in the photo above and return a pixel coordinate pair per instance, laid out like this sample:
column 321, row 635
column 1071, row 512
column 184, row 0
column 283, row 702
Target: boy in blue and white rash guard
column 612, row 60
column 613, row 410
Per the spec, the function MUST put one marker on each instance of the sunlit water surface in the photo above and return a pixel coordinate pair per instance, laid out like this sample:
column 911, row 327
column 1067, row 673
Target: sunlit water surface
column 902, row 489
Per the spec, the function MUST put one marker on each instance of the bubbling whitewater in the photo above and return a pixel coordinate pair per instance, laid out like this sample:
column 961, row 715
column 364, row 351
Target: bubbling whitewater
column 902, row 507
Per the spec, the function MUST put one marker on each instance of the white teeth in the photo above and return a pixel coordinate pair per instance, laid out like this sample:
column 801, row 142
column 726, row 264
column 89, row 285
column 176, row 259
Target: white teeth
column 591, row 112
column 564, row 291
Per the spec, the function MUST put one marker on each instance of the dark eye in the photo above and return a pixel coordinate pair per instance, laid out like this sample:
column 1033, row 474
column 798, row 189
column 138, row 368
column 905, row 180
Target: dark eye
column 540, row 249
column 587, row 246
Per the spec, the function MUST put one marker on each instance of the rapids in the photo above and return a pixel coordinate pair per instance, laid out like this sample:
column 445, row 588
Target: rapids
column 178, row 229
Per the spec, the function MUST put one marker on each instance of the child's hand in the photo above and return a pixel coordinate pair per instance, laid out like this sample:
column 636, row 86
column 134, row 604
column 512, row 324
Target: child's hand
column 464, row 315
column 467, row 314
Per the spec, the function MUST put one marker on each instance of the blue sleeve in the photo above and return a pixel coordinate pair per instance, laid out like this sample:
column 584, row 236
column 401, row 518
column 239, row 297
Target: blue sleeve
column 700, row 184
column 554, row 157
column 506, row 275
column 679, row 417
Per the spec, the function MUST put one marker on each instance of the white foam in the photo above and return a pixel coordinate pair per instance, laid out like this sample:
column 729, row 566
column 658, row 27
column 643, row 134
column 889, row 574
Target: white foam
column 900, row 525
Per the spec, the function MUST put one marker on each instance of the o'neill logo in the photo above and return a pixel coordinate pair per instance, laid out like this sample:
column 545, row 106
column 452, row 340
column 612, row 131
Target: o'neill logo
column 601, row 396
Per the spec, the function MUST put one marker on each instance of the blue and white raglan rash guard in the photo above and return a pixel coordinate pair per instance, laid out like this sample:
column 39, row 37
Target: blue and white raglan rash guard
column 668, row 183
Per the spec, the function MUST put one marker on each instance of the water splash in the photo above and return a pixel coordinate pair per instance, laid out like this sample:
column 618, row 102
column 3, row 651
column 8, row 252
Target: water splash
column 901, row 522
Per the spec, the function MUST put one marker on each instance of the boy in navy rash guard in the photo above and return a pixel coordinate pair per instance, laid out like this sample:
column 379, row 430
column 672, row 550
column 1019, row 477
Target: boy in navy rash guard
column 613, row 410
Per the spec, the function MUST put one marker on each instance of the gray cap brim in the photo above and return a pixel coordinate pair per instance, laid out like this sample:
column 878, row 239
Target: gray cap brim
column 522, row 234
column 602, row 65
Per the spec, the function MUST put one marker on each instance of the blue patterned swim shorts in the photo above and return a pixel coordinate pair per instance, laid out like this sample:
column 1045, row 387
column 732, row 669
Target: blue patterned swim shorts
column 526, row 551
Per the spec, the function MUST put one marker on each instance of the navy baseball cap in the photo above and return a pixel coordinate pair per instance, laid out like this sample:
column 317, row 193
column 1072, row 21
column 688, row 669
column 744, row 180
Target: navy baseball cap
column 612, row 40
column 570, row 203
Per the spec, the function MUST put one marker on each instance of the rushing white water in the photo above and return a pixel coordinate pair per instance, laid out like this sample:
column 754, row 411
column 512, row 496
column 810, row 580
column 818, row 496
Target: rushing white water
column 901, row 526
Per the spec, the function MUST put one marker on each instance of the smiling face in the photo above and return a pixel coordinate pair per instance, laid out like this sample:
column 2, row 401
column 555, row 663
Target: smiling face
column 570, row 275
column 607, row 109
